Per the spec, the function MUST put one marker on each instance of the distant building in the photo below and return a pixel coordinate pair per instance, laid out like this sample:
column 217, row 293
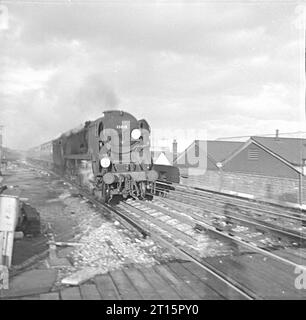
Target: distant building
column 269, row 156
column 214, row 152
column 162, row 159
column 264, row 167
column 162, row 155
column 9, row 155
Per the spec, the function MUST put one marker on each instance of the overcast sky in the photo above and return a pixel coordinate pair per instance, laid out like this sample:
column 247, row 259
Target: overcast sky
column 230, row 69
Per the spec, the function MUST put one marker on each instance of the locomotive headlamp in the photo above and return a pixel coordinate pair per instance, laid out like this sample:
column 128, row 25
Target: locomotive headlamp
column 136, row 133
column 105, row 162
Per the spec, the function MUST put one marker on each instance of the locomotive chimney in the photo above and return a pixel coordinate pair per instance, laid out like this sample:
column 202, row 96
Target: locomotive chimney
column 174, row 150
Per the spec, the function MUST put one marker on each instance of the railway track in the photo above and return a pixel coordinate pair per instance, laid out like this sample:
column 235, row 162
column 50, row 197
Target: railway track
column 182, row 229
column 131, row 218
column 228, row 210
column 189, row 224
column 178, row 239
column 260, row 206
column 177, row 228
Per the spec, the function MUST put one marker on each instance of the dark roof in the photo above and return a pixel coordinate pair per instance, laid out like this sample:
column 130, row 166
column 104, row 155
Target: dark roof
column 221, row 150
column 218, row 150
column 290, row 149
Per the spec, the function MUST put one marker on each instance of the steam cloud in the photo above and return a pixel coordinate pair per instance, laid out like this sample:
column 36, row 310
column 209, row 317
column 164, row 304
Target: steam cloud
column 96, row 95
column 62, row 104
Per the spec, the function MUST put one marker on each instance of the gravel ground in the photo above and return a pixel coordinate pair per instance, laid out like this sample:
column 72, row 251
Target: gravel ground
column 104, row 243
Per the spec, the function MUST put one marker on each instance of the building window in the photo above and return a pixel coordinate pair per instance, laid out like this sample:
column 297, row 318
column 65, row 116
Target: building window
column 253, row 154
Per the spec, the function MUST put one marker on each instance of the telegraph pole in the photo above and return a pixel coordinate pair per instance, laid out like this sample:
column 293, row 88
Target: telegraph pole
column 302, row 146
column 302, row 138
column 1, row 150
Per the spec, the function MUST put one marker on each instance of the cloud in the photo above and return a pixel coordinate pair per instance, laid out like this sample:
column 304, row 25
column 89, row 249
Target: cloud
column 38, row 114
column 178, row 66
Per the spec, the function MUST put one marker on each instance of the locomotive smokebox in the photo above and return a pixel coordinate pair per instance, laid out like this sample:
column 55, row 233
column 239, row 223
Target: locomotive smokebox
column 109, row 178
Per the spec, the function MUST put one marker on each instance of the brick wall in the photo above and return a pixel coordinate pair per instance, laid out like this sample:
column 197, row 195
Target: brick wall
column 263, row 187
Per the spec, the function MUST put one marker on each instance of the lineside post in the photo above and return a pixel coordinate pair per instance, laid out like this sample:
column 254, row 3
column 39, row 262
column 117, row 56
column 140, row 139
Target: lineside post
column 1, row 151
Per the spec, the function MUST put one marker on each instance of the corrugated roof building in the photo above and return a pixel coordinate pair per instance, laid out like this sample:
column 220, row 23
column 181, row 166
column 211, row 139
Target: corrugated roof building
column 204, row 155
column 269, row 168
column 269, row 156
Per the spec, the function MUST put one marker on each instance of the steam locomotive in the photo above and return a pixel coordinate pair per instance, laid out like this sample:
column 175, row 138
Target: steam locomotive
column 110, row 156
